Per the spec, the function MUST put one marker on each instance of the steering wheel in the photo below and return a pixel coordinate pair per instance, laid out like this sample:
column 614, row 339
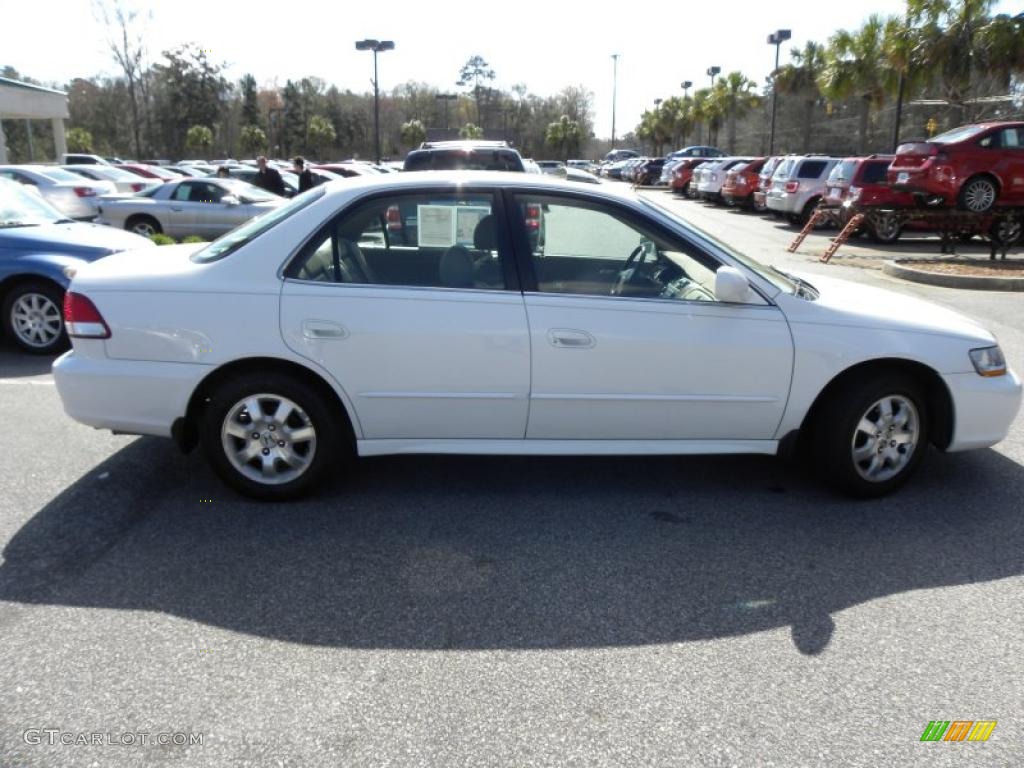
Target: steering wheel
column 626, row 273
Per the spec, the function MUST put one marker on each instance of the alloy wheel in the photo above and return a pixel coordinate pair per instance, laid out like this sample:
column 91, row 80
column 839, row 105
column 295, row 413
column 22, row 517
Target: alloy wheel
column 36, row 320
column 885, row 438
column 268, row 439
column 979, row 195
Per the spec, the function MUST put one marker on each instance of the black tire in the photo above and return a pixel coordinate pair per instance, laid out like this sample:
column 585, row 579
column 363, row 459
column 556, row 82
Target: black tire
column 143, row 225
column 978, row 194
column 835, row 433
column 884, row 231
column 333, row 437
column 37, row 297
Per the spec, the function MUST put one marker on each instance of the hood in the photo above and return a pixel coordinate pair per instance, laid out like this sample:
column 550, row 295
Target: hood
column 856, row 305
column 83, row 241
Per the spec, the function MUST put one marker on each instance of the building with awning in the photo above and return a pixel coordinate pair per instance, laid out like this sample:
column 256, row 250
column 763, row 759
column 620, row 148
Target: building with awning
column 24, row 101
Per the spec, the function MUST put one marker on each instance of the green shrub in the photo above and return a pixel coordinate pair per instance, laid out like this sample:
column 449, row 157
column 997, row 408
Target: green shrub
column 161, row 239
column 194, row 239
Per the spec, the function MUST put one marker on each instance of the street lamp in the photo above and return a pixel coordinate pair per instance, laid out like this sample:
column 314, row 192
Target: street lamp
column 686, row 85
column 446, row 97
column 776, row 38
column 712, row 72
column 615, row 82
column 377, row 46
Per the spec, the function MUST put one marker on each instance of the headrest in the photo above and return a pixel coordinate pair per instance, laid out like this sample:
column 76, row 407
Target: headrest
column 456, row 268
column 485, row 237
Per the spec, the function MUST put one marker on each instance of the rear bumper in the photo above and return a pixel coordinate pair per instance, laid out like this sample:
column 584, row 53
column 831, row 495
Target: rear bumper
column 983, row 408
column 784, row 203
column 133, row 396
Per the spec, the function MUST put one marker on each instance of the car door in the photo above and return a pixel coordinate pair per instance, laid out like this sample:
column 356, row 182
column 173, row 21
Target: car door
column 627, row 339
column 427, row 335
column 180, row 214
column 1011, row 143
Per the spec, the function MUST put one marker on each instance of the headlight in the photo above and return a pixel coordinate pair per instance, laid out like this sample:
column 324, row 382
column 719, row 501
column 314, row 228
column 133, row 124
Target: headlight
column 989, row 361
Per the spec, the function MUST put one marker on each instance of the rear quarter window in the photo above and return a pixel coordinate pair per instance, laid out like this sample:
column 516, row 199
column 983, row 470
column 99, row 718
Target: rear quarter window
column 811, row 169
column 874, row 173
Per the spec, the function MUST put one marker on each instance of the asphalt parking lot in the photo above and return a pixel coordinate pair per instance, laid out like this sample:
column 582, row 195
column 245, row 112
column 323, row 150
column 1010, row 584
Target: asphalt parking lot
column 447, row 611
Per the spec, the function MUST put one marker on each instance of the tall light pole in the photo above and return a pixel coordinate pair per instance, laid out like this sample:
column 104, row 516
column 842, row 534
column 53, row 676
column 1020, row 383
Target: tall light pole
column 377, row 46
column 686, row 85
column 615, row 83
column 446, row 98
column 776, row 38
column 712, row 72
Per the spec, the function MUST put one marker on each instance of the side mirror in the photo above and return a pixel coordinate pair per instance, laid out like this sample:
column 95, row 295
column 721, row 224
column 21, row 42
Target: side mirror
column 732, row 286
column 230, row 200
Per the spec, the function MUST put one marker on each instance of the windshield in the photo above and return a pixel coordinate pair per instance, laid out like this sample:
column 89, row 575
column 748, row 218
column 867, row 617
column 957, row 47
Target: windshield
column 843, row 172
column 247, row 192
column 783, row 170
column 957, row 134
column 21, row 208
column 780, row 281
column 253, row 228
column 59, row 174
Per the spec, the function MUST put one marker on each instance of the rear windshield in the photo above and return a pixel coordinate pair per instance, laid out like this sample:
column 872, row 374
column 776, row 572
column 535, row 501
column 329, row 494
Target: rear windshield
column 461, row 160
column 59, row 174
column 843, row 172
column 958, row 134
column 875, row 172
column 783, row 170
column 811, row 169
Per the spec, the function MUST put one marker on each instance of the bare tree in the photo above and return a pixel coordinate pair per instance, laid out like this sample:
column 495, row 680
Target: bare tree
column 125, row 33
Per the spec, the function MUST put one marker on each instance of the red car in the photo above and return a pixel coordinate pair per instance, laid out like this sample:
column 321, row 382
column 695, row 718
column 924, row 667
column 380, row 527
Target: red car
column 149, row 171
column 862, row 182
column 742, row 182
column 763, row 180
column 684, row 172
column 974, row 167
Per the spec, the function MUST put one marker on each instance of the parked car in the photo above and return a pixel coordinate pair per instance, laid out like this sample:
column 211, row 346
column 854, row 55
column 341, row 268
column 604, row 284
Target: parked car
column 617, row 155
column 68, row 192
column 649, row 171
column 38, row 244
column 550, row 166
column 474, row 341
column 712, row 180
column 584, row 165
column 123, row 181
column 764, row 180
column 530, row 165
column 345, row 170
column 614, row 170
column 975, row 167
column 464, row 155
column 698, row 151
column 77, row 158
column 668, row 169
column 205, row 208
column 741, row 181
column 682, row 176
column 798, row 185
column 149, row 171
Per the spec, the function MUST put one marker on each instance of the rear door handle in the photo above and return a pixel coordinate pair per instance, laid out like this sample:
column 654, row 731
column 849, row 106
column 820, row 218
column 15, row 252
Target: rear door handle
column 568, row 338
column 323, row 329
column 176, row 208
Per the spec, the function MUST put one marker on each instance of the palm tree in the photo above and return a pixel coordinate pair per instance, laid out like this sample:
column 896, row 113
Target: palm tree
column 800, row 79
column 740, row 97
column 701, row 111
column 716, row 108
column 855, row 68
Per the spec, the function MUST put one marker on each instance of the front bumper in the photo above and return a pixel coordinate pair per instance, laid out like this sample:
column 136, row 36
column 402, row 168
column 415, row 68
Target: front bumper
column 983, row 408
column 133, row 396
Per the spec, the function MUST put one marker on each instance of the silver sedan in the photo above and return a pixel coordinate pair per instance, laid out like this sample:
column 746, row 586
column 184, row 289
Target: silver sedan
column 205, row 208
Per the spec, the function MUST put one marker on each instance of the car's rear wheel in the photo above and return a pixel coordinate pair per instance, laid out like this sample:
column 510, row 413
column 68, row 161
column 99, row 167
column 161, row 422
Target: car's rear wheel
column 270, row 436
column 978, row 195
column 34, row 317
column 146, row 226
column 872, row 433
column 885, row 228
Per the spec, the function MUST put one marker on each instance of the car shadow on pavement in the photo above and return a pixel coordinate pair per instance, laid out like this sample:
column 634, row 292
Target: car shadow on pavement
column 516, row 553
column 15, row 363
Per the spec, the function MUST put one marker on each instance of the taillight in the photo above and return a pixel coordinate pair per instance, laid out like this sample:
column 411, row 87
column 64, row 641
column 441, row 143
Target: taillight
column 792, row 186
column 855, row 193
column 85, row 191
column 394, row 217
column 532, row 216
column 82, row 319
column 138, row 187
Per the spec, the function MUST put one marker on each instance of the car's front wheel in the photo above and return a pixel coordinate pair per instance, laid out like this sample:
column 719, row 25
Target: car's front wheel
column 270, row 436
column 872, row 433
column 885, row 228
column 34, row 317
column 978, row 195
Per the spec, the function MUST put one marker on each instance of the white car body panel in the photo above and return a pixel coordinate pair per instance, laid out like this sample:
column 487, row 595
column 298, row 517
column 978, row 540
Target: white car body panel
column 473, row 371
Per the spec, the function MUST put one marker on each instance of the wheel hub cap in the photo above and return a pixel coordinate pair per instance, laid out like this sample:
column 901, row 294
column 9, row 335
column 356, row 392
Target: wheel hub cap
column 36, row 319
column 885, row 438
column 268, row 438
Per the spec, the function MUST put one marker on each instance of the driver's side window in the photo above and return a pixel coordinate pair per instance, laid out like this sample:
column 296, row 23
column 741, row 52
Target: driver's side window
column 579, row 247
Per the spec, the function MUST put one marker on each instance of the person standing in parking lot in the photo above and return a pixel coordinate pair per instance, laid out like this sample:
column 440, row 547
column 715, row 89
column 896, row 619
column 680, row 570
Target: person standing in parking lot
column 305, row 177
column 268, row 178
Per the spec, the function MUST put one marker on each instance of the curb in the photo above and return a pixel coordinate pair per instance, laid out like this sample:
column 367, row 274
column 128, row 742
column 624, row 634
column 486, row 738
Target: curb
column 972, row 282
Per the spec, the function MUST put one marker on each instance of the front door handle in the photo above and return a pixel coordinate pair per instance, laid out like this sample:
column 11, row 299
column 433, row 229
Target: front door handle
column 569, row 338
column 177, row 208
column 323, row 329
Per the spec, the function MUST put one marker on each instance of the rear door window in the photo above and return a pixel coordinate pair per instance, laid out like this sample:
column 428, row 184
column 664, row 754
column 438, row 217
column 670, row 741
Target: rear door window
column 875, row 172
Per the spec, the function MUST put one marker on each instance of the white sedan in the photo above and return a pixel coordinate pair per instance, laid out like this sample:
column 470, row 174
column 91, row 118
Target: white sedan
column 74, row 196
column 482, row 313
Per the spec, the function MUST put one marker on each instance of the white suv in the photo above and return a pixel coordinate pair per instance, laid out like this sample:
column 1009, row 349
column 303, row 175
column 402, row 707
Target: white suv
column 798, row 185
